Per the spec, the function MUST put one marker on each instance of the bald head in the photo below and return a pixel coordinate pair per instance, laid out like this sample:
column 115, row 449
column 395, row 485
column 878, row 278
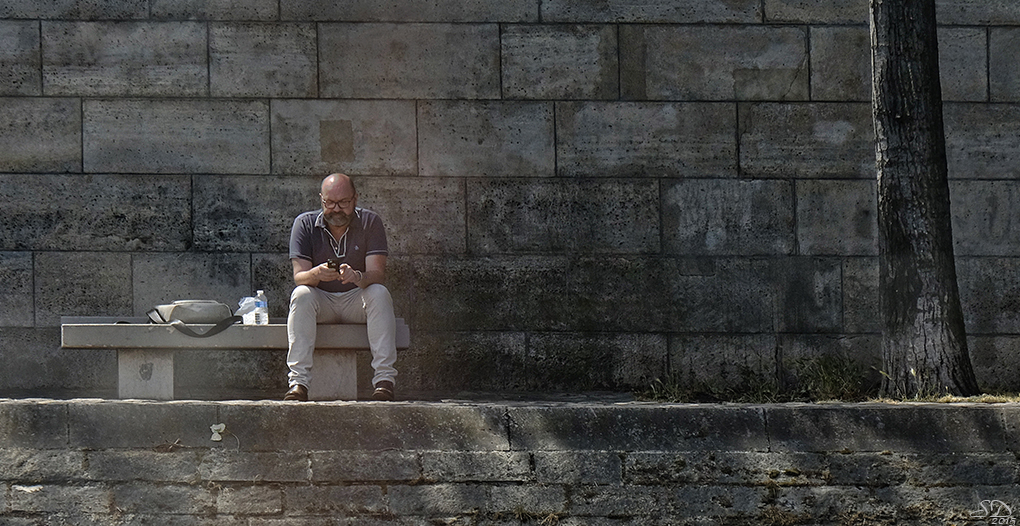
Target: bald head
column 337, row 183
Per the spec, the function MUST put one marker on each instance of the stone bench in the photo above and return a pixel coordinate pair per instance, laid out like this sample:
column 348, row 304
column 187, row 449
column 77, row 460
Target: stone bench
column 145, row 351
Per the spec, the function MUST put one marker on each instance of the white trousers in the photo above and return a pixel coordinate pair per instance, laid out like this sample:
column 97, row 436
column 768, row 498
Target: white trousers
column 310, row 306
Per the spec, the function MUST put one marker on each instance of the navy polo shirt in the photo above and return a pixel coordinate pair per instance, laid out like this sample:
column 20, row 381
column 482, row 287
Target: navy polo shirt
column 310, row 240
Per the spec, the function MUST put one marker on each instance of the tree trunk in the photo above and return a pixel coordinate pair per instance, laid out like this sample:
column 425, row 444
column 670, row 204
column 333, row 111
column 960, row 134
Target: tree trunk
column 924, row 343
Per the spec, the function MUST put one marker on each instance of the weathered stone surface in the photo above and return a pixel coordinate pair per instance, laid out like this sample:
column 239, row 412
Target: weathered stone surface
column 722, row 362
column 97, row 424
column 529, row 501
column 95, row 212
column 429, row 11
column 40, row 135
column 262, row 60
column 638, row 428
column 273, row 273
column 655, row 11
column 176, row 136
column 108, row 465
column 963, row 59
column 16, row 298
column 727, row 217
column 391, row 465
column 984, row 218
column 464, row 361
column 978, row 12
column 27, row 351
column 797, row 352
column 461, row 61
column 431, row 223
column 1003, row 70
column 477, row 466
column 97, row 283
column 807, row 140
column 215, row 9
column 860, row 295
column 41, row 465
column 163, row 278
column 837, row 218
column 989, row 292
column 714, row 63
column 251, row 500
column 437, row 499
column 164, row 499
column 878, row 427
column 560, row 62
column 995, row 360
column 471, row 139
column 514, row 216
column 809, row 294
column 649, row 139
column 571, row 362
column 238, row 213
column 982, row 141
column 19, row 58
column 331, row 501
column 117, row 58
column 840, row 63
column 316, row 137
column 381, row 426
column 33, row 424
column 75, row 9
column 50, row 498
column 578, row 467
column 815, row 12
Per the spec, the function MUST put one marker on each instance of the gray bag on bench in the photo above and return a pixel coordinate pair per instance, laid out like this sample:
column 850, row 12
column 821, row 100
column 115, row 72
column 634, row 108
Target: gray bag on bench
column 182, row 312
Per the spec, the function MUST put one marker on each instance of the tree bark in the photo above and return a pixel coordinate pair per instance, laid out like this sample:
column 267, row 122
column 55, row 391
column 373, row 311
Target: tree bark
column 924, row 341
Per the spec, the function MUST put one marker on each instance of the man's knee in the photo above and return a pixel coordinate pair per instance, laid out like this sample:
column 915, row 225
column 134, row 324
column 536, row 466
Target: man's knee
column 302, row 295
column 378, row 294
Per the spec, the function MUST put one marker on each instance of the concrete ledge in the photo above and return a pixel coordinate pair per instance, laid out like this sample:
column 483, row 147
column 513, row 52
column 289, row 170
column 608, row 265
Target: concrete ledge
column 404, row 463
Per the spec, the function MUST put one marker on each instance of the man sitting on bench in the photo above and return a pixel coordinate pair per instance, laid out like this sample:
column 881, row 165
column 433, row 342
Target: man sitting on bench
column 338, row 255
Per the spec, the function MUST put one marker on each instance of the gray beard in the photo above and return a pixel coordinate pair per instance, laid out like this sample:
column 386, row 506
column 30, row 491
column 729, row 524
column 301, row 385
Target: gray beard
column 337, row 219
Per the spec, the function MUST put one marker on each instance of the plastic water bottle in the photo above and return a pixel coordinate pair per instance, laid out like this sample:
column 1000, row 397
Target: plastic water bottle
column 261, row 308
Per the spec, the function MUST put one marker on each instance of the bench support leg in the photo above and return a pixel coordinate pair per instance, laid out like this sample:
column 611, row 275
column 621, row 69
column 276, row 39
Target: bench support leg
column 334, row 375
column 145, row 374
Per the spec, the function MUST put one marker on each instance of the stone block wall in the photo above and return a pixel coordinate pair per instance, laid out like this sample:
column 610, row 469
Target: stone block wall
column 579, row 195
column 511, row 464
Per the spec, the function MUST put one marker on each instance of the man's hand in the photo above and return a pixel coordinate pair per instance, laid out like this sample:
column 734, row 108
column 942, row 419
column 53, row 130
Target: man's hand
column 324, row 273
column 348, row 274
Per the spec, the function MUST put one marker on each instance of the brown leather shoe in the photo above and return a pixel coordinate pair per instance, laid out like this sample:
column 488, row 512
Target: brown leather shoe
column 297, row 393
column 383, row 391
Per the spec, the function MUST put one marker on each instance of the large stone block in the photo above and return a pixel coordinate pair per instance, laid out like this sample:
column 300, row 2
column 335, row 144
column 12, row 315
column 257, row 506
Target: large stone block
column 433, row 222
column 584, row 427
column 430, row 11
column 250, row 500
column 982, row 141
column 437, row 499
column 390, row 61
column 176, row 136
column 840, row 63
column 989, row 292
column 860, row 295
column 40, row 135
column 560, row 62
column 837, row 218
column 33, row 424
column 578, row 467
column 318, row 502
column 963, row 64
column 471, row 139
column 978, row 12
column 16, row 299
column 163, row 278
column 96, row 284
column 799, row 356
column 485, row 361
column 134, row 424
column 600, row 216
column 653, row 139
column 809, row 294
column 713, row 63
column 75, row 9
column 985, row 217
column 42, row 465
column 727, row 217
column 353, row 466
column 119, row 59
column 528, row 500
column 95, row 212
column 52, row 499
column 654, row 11
column 19, row 58
column 141, row 497
column 316, row 137
column 1003, row 67
column 995, row 361
column 807, row 140
column 242, row 213
column 24, row 352
column 723, row 363
column 262, row 60
column 573, row 361
column 477, row 466
column 153, row 466
column 215, row 9
column 816, row 12
column 273, row 273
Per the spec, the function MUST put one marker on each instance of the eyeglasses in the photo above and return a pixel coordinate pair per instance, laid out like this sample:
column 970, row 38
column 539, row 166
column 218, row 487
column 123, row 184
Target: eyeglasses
column 343, row 203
